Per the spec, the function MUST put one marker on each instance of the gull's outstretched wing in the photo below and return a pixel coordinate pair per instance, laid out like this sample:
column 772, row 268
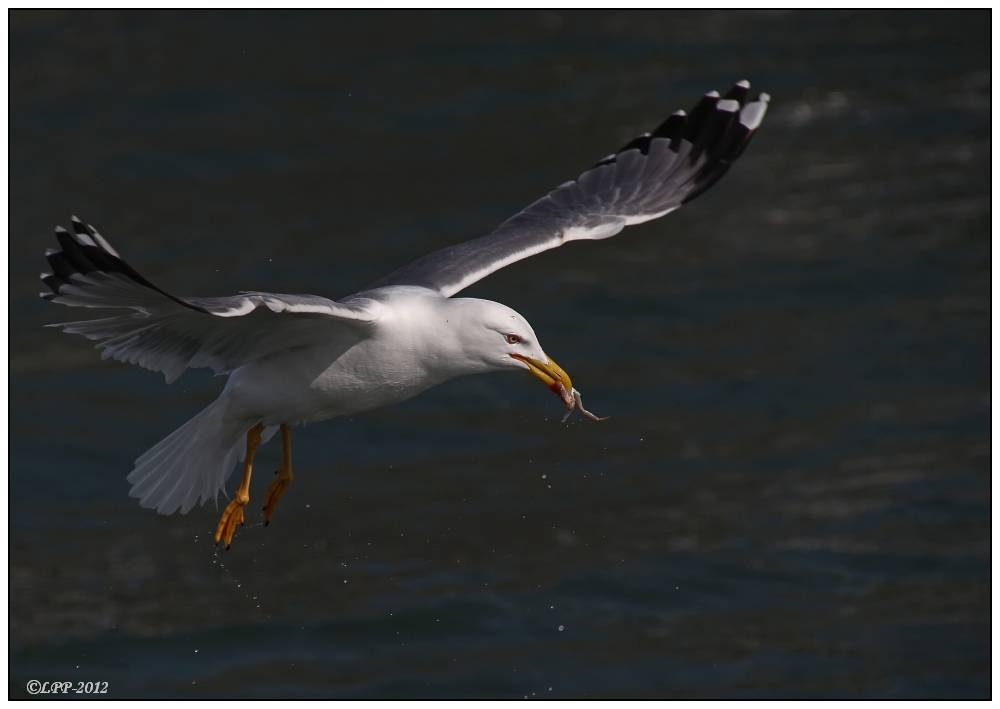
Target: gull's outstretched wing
column 169, row 334
column 654, row 174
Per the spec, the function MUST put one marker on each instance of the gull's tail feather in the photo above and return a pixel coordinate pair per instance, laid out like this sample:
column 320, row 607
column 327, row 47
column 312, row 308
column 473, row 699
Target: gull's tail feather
column 192, row 462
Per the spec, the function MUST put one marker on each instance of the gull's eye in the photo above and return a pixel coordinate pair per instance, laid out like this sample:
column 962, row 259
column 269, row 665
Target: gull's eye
column 513, row 339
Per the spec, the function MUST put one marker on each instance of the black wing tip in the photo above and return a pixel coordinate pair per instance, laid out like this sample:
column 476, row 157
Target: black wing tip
column 718, row 126
column 86, row 251
column 79, row 253
column 718, row 129
column 738, row 92
column 640, row 143
column 53, row 282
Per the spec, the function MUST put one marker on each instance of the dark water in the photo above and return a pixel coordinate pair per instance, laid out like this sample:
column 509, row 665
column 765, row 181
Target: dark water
column 792, row 497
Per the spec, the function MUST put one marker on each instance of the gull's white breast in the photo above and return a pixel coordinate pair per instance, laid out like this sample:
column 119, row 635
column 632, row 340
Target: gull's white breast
column 409, row 350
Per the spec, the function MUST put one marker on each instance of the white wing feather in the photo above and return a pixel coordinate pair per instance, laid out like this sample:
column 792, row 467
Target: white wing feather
column 651, row 176
column 169, row 334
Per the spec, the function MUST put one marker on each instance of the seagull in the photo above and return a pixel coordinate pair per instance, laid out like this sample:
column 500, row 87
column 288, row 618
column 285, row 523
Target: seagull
column 296, row 359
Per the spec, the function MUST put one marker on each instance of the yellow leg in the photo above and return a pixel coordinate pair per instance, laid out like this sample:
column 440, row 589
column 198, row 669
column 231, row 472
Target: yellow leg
column 233, row 514
column 284, row 473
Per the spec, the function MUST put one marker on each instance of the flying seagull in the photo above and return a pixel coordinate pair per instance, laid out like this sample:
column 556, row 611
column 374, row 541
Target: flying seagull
column 294, row 359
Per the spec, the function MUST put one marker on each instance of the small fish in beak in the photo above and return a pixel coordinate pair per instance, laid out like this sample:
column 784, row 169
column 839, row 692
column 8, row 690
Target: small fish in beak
column 557, row 380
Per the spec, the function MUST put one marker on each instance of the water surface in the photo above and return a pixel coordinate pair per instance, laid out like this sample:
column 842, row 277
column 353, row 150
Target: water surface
column 792, row 495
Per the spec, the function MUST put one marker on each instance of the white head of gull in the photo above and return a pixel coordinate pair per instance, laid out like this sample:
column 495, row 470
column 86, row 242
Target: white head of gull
column 296, row 359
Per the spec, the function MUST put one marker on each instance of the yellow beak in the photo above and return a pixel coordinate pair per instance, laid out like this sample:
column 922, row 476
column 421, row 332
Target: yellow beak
column 553, row 375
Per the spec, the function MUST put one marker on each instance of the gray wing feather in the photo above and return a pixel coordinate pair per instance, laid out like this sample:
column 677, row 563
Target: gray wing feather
column 651, row 176
column 169, row 334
